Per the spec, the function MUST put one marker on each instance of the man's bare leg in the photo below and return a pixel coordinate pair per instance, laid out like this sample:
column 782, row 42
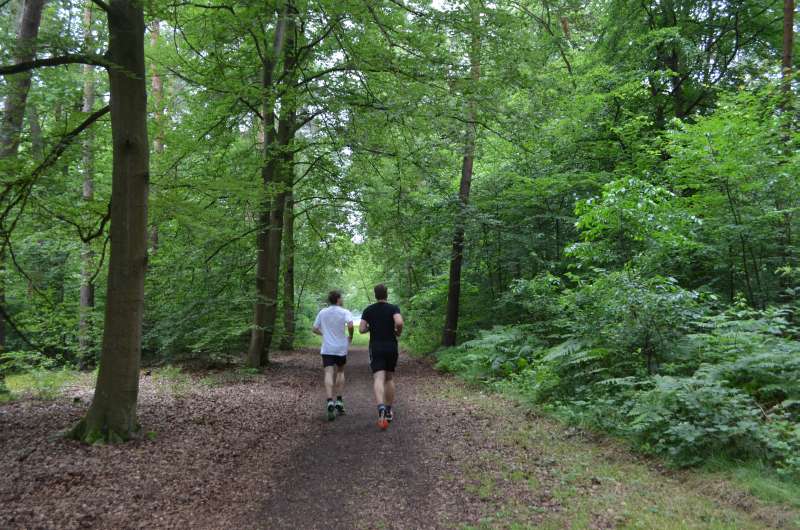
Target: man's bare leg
column 388, row 389
column 339, row 385
column 329, row 381
column 378, row 379
column 379, row 386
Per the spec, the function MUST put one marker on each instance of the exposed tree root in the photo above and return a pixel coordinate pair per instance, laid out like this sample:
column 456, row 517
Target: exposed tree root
column 92, row 433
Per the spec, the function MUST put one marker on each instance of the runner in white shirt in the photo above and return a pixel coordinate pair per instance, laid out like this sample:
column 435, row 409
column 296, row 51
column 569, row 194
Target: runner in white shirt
column 331, row 323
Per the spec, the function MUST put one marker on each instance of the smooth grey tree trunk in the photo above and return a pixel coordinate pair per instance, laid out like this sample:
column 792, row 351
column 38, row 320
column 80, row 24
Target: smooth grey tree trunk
column 283, row 181
column 157, row 91
column 87, row 255
column 35, row 128
column 14, row 112
column 287, row 342
column 112, row 414
column 258, row 350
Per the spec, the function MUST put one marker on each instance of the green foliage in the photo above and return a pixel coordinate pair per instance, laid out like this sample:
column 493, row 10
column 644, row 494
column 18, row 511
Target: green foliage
column 40, row 383
column 536, row 301
column 14, row 362
column 423, row 317
column 636, row 319
column 692, row 418
column 633, row 221
column 689, row 419
column 497, row 353
column 716, row 384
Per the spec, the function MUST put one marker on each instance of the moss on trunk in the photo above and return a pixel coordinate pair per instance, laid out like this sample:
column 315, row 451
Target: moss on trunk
column 104, row 428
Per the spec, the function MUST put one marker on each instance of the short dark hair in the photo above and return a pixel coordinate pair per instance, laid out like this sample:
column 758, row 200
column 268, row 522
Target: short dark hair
column 334, row 296
column 381, row 292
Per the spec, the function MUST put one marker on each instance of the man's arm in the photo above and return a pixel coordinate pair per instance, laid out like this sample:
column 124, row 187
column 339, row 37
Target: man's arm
column 350, row 331
column 363, row 327
column 398, row 324
column 315, row 328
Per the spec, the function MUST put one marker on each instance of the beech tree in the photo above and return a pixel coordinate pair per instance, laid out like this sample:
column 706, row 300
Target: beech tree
column 157, row 92
column 112, row 414
column 87, row 255
column 271, row 216
column 287, row 339
column 13, row 113
column 470, row 119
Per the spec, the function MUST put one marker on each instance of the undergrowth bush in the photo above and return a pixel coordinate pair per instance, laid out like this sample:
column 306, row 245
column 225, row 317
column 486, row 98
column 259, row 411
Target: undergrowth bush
column 15, row 362
column 646, row 360
column 497, row 353
column 690, row 418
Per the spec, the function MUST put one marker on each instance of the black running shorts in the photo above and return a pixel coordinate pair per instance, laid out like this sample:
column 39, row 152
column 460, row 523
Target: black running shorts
column 334, row 360
column 382, row 359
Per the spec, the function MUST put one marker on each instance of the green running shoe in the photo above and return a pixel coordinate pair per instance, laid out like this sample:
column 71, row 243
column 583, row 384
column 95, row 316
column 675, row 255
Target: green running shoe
column 331, row 411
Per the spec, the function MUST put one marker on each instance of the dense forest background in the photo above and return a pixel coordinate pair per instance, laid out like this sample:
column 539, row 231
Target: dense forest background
column 592, row 204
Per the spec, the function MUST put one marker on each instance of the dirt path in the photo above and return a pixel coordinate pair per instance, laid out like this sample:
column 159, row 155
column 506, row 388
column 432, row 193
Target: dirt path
column 349, row 474
column 233, row 450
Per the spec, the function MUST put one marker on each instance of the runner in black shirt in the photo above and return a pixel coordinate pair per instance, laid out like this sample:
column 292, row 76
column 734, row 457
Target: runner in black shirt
column 384, row 323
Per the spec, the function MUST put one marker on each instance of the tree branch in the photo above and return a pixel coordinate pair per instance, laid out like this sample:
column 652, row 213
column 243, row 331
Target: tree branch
column 102, row 259
column 102, row 5
column 94, row 60
column 66, row 140
column 89, row 236
column 21, row 335
column 204, row 6
column 52, row 157
column 229, row 242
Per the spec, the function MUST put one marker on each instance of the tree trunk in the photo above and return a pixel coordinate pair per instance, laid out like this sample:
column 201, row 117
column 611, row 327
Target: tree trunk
column 786, row 108
column 284, row 176
column 788, row 45
column 35, row 127
column 157, row 89
column 257, row 352
column 13, row 113
column 456, row 258
column 787, row 70
column 19, row 84
column 87, row 255
column 288, row 274
column 112, row 414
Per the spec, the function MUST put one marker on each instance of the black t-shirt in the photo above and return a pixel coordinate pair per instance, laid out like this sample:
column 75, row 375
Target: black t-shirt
column 380, row 317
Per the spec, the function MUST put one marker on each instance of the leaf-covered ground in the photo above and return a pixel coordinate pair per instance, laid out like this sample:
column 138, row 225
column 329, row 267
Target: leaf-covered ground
column 233, row 450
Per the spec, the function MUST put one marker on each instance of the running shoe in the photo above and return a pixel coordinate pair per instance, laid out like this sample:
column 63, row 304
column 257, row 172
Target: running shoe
column 383, row 423
column 389, row 415
column 339, row 407
column 331, row 411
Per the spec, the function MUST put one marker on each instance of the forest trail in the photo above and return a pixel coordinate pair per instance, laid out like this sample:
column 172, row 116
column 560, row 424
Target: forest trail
column 236, row 450
column 349, row 474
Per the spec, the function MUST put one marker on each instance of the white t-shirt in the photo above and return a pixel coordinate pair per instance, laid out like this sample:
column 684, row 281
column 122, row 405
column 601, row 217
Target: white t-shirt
column 332, row 321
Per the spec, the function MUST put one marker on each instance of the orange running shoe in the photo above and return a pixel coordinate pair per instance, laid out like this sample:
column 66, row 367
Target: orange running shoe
column 383, row 423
